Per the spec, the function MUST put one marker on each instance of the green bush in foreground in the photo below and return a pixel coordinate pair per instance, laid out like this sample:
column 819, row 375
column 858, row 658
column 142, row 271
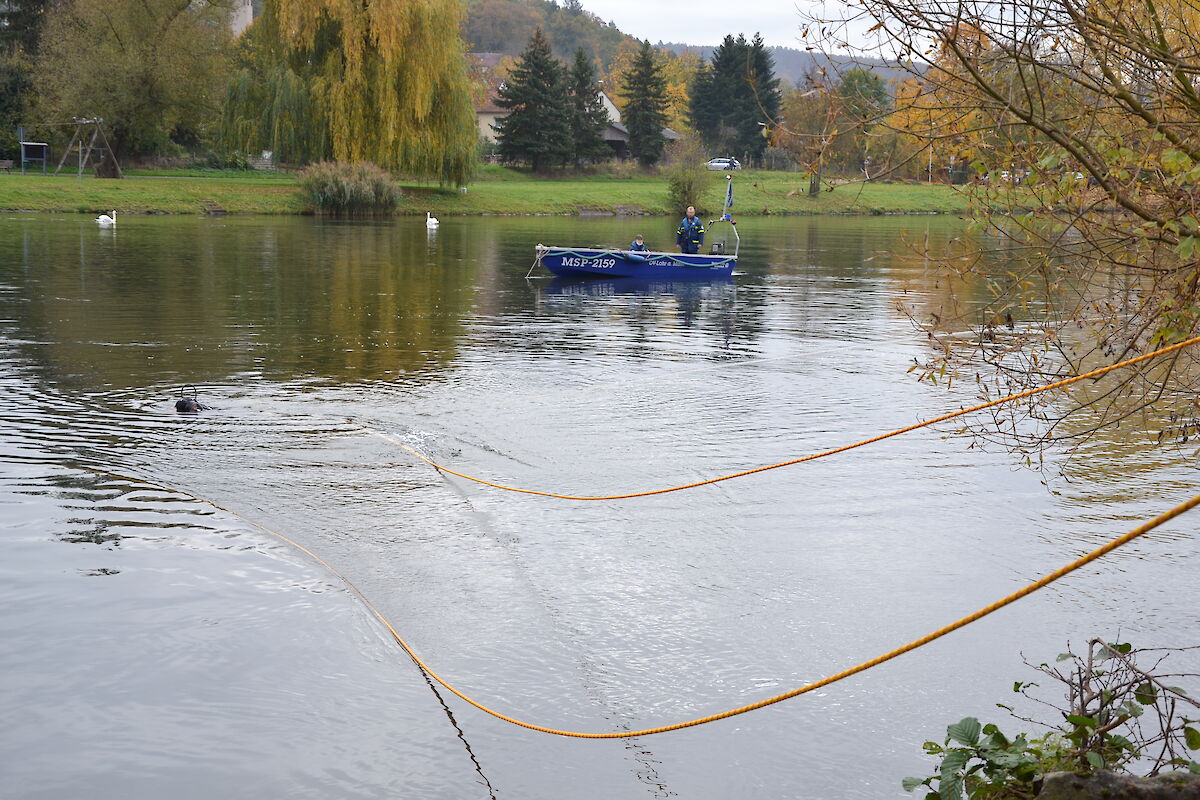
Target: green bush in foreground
column 1118, row 716
column 336, row 188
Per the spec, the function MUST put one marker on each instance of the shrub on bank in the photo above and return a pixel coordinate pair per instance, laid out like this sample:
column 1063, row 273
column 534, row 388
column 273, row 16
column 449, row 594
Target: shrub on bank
column 1118, row 717
column 688, row 177
column 337, row 188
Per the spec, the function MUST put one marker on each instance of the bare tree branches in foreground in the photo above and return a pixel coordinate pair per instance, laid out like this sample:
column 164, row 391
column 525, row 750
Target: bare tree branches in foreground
column 1080, row 122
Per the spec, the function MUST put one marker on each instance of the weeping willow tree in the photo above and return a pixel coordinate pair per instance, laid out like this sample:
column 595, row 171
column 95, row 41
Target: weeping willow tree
column 384, row 82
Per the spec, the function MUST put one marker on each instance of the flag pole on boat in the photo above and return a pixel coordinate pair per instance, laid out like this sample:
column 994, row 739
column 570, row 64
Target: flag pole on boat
column 727, row 217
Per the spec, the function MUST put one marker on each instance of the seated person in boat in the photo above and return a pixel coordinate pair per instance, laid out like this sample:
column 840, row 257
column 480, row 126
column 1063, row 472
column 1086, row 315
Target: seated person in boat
column 638, row 243
column 690, row 234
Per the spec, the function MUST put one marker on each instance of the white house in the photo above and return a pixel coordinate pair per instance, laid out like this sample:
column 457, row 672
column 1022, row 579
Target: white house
column 487, row 112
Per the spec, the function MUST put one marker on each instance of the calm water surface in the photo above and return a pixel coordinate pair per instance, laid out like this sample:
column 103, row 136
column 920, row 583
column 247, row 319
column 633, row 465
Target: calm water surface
column 155, row 645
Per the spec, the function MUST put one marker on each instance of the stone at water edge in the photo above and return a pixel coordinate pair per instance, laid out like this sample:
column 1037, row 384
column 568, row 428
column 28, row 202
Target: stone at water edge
column 1105, row 785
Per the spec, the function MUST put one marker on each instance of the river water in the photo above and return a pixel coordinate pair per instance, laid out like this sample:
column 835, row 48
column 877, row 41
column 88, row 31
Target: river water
column 157, row 645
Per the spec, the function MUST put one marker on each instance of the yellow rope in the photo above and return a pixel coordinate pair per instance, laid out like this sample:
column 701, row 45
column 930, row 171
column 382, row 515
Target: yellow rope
column 733, row 712
column 846, row 673
column 812, row 456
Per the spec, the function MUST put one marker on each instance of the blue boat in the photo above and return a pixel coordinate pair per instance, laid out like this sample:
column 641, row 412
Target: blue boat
column 585, row 262
column 594, row 262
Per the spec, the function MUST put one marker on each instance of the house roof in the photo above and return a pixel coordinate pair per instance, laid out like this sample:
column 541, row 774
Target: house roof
column 614, row 114
column 616, row 132
column 488, row 104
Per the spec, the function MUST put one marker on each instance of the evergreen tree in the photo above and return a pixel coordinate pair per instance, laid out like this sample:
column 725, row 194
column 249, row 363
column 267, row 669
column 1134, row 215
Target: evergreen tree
column 703, row 110
column 716, row 103
column 537, row 128
column 645, row 93
column 767, row 95
column 588, row 117
column 733, row 94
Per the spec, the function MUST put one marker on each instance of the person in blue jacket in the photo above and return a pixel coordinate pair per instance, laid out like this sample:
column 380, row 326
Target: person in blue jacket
column 638, row 243
column 690, row 235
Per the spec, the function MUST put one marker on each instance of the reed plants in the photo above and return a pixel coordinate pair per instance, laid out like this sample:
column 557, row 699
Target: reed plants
column 342, row 189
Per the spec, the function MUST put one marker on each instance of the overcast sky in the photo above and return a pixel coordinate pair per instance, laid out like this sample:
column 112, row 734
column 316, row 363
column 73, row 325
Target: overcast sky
column 702, row 21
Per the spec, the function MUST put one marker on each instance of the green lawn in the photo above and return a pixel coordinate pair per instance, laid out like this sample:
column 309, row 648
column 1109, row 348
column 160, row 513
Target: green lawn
column 497, row 190
column 149, row 194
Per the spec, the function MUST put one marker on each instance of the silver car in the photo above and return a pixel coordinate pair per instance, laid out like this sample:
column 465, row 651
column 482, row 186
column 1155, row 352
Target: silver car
column 723, row 164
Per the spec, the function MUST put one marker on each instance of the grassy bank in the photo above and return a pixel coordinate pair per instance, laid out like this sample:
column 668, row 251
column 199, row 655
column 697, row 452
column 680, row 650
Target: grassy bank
column 497, row 191
column 151, row 194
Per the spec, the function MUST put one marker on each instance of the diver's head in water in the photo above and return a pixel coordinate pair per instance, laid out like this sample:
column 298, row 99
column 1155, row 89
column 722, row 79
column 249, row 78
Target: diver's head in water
column 189, row 405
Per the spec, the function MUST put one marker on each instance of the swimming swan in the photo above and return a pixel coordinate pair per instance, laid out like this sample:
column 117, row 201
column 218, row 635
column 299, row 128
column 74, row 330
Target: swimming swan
column 430, row 222
column 105, row 221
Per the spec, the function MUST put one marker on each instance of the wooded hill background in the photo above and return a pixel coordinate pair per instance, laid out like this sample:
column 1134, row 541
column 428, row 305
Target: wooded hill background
column 504, row 26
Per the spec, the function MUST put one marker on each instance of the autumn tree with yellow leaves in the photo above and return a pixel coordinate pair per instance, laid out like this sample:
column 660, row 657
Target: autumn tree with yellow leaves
column 677, row 71
column 940, row 128
column 809, row 128
column 385, row 82
column 1080, row 121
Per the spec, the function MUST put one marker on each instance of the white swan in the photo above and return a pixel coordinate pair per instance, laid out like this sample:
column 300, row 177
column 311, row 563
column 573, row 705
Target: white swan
column 105, row 221
column 431, row 222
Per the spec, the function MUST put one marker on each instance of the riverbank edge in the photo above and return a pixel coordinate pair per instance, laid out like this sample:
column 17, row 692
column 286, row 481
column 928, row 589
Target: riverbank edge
column 758, row 194
column 443, row 214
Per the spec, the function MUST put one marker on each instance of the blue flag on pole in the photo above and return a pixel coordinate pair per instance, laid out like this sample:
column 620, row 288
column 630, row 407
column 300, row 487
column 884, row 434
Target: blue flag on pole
column 729, row 195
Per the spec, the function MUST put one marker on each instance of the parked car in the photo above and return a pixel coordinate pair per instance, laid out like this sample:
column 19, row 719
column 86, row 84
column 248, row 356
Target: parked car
column 723, row 164
column 1005, row 176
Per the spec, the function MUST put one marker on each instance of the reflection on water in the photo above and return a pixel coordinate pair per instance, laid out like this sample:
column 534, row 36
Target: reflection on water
column 153, row 639
column 636, row 286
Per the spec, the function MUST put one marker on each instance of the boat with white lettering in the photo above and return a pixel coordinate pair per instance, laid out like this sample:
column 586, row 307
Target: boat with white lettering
column 581, row 262
column 648, row 265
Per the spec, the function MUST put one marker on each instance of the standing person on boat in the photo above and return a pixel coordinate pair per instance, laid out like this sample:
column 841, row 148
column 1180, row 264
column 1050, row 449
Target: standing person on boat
column 690, row 235
column 638, row 243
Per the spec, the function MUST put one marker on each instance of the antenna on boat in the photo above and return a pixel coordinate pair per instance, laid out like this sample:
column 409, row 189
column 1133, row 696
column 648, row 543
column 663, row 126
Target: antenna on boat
column 727, row 217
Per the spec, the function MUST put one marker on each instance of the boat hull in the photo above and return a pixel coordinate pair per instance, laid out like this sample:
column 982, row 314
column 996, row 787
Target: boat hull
column 589, row 262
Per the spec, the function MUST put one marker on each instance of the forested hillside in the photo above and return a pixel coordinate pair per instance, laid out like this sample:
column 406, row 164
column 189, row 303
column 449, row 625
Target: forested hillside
column 504, row 26
column 791, row 64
